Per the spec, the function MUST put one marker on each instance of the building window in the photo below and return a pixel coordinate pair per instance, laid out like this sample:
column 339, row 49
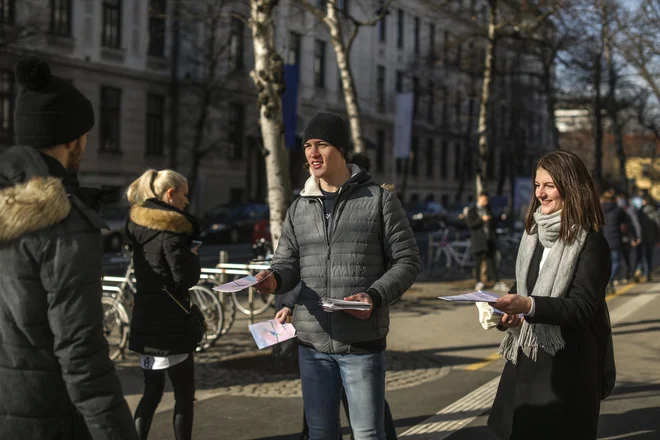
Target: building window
column 429, row 158
column 111, row 31
column 319, row 63
column 295, row 44
column 157, row 28
column 7, row 107
column 416, row 36
column 236, row 34
column 381, row 27
column 399, row 28
column 155, row 124
column 110, row 119
column 398, row 86
column 431, row 40
column 430, row 114
column 457, row 110
column 7, row 11
column 380, row 89
column 415, row 95
column 60, row 17
column 445, row 107
column 457, row 161
column 380, row 151
column 414, row 149
column 236, row 130
column 459, row 53
column 322, row 4
column 342, row 5
column 444, row 155
column 445, row 48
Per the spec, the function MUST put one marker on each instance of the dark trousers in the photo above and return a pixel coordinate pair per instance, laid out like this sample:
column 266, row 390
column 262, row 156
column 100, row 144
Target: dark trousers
column 626, row 260
column 390, row 430
column 489, row 256
column 182, row 376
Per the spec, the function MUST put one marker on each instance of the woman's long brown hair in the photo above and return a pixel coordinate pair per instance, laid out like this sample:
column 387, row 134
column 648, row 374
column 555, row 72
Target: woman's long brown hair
column 576, row 186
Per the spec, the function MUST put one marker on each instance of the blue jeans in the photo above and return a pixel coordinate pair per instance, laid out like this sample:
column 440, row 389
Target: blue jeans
column 363, row 378
column 615, row 255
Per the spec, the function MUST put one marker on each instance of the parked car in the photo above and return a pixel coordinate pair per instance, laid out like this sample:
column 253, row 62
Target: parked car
column 426, row 216
column 227, row 224
column 114, row 216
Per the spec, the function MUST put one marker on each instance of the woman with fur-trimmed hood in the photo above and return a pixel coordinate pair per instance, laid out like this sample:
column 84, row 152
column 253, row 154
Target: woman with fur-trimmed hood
column 166, row 266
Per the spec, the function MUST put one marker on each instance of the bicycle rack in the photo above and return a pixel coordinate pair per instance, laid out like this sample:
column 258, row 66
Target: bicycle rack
column 236, row 269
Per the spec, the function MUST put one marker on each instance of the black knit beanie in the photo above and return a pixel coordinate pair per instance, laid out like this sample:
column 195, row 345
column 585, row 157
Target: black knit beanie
column 49, row 110
column 330, row 128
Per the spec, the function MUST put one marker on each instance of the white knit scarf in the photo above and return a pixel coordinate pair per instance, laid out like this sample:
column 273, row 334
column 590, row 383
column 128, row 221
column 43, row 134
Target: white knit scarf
column 553, row 281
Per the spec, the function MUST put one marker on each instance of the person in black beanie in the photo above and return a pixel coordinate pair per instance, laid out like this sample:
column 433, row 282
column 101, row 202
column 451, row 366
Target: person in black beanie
column 344, row 238
column 54, row 363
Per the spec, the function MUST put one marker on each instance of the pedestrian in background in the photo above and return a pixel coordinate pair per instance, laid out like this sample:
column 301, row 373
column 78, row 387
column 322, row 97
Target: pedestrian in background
column 56, row 376
column 553, row 380
column 166, row 266
column 631, row 235
column 615, row 223
column 481, row 222
column 344, row 238
column 649, row 219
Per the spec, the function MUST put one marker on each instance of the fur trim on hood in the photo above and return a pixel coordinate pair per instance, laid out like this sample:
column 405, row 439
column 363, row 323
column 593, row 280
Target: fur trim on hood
column 161, row 220
column 32, row 206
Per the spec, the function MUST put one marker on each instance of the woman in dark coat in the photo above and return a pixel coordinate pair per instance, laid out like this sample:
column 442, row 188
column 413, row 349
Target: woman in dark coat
column 166, row 266
column 552, row 382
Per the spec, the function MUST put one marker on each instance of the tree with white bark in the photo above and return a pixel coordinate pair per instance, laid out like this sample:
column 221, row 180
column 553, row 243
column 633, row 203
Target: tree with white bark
column 344, row 27
column 268, row 77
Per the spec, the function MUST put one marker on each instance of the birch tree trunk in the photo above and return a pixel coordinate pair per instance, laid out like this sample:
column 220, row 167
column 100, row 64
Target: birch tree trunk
column 342, row 53
column 268, row 76
column 486, row 91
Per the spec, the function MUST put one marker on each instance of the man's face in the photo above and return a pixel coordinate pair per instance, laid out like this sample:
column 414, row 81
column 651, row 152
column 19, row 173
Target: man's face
column 482, row 201
column 76, row 154
column 324, row 159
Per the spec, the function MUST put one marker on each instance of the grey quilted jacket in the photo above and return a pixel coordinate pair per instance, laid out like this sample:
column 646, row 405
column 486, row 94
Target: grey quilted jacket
column 369, row 244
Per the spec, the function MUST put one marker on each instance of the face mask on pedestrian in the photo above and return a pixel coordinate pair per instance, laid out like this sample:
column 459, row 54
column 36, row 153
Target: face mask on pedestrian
column 621, row 203
column 636, row 202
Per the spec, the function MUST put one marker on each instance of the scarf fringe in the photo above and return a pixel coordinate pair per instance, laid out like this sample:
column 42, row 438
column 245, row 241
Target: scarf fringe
column 528, row 340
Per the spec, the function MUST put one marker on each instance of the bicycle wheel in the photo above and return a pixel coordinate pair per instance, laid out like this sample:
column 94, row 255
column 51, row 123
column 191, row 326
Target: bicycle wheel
column 116, row 326
column 212, row 310
column 228, row 306
column 261, row 302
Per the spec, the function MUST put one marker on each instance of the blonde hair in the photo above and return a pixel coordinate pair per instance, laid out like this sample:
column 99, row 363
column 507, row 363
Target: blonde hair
column 153, row 184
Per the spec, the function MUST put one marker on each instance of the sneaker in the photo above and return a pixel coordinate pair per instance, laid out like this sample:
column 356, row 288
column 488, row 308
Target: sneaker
column 638, row 275
column 615, row 282
column 501, row 287
column 479, row 286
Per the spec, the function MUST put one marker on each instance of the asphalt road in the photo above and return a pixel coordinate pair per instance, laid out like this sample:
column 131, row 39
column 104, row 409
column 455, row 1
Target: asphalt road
column 450, row 340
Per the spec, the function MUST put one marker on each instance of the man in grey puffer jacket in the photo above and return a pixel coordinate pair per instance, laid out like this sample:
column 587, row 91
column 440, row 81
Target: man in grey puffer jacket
column 346, row 238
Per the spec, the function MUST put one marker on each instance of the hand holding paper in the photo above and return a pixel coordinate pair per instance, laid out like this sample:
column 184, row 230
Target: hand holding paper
column 271, row 332
column 245, row 282
column 479, row 296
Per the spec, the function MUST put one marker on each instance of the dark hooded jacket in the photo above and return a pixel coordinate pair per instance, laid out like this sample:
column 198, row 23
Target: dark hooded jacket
column 615, row 219
column 56, row 379
column 162, row 237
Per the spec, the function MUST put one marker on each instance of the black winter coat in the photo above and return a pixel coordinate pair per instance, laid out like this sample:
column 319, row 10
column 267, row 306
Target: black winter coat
column 55, row 373
column 615, row 219
column 480, row 240
column 162, row 237
column 559, row 397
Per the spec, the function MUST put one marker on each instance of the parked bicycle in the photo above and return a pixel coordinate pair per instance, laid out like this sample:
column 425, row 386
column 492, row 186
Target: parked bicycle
column 448, row 255
column 117, row 301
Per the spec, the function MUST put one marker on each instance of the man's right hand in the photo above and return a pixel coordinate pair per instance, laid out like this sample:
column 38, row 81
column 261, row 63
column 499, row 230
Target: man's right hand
column 269, row 283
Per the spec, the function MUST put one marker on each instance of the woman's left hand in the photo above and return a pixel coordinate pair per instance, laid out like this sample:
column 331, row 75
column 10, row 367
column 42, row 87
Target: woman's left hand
column 513, row 304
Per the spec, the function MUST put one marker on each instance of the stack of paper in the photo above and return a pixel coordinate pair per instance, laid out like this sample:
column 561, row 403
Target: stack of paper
column 479, row 296
column 331, row 305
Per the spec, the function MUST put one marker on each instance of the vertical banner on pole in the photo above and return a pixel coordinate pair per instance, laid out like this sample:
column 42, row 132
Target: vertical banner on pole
column 403, row 125
column 290, row 104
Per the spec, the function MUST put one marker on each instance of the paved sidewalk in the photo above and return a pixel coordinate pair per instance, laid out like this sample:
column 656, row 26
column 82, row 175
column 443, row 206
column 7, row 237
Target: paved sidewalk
column 235, row 366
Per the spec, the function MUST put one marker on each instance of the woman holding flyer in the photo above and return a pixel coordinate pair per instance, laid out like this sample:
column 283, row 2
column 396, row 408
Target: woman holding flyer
column 166, row 266
column 552, row 383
